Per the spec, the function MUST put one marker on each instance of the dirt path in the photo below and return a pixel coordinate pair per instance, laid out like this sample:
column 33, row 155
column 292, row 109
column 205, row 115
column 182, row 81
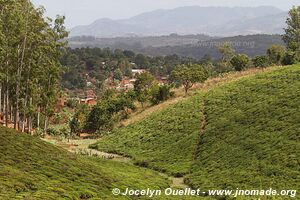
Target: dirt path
column 82, row 147
column 178, row 183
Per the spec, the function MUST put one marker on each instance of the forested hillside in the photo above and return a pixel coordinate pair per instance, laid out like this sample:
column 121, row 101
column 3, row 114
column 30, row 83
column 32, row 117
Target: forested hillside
column 136, row 42
column 185, row 46
column 251, row 45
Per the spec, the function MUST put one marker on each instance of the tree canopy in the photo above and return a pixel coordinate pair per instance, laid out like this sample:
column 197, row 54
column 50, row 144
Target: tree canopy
column 188, row 75
column 240, row 62
column 292, row 33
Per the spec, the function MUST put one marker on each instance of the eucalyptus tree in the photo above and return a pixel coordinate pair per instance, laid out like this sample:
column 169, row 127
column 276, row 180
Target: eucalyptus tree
column 292, row 33
column 31, row 47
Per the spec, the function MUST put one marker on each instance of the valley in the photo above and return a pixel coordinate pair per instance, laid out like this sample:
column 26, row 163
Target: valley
column 153, row 100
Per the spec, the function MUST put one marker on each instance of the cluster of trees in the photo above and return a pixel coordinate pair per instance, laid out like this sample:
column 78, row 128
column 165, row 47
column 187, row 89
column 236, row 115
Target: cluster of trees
column 115, row 106
column 101, row 64
column 102, row 117
column 276, row 54
column 30, row 49
column 292, row 36
column 147, row 89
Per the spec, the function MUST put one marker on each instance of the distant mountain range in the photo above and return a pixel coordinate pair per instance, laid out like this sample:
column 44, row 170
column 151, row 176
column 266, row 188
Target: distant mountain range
column 214, row 21
column 194, row 46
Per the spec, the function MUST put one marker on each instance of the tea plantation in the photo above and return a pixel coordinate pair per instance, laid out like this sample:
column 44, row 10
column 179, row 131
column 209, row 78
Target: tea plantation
column 243, row 134
column 164, row 141
column 251, row 137
column 33, row 169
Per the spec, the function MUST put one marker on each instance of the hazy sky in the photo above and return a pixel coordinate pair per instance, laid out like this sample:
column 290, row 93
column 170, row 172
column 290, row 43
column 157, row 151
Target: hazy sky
column 81, row 12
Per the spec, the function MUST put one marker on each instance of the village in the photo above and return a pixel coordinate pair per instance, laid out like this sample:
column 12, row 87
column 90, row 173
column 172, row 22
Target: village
column 89, row 97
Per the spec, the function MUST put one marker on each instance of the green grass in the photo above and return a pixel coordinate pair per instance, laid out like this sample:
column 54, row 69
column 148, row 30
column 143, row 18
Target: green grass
column 33, row 169
column 164, row 141
column 251, row 138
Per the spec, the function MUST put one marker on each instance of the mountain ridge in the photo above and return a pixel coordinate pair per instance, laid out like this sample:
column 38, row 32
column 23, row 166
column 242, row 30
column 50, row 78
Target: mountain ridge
column 188, row 20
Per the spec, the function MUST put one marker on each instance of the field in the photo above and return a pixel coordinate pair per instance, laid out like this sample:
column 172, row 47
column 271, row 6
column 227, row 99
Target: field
column 241, row 134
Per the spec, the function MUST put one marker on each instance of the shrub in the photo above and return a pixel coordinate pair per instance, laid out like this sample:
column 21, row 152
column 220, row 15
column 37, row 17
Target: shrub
column 276, row 54
column 240, row 62
column 161, row 93
column 290, row 58
column 72, row 103
column 261, row 61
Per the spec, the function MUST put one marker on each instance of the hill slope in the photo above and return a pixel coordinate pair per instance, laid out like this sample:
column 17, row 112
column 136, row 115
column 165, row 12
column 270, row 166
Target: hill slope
column 163, row 140
column 188, row 20
column 250, row 137
column 252, row 134
column 33, row 169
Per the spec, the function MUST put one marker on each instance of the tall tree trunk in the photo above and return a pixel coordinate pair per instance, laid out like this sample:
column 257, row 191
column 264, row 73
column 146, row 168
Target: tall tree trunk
column 4, row 108
column 46, row 125
column 1, row 100
column 24, row 110
column 29, row 118
column 7, row 92
column 16, row 122
column 29, row 125
column 38, row 118
column 19, row 72
column 11, row 112
column 24, row 121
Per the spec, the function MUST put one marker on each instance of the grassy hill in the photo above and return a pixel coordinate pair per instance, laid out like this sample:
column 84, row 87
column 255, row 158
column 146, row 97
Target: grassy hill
column 33, row 169
column 250, row 137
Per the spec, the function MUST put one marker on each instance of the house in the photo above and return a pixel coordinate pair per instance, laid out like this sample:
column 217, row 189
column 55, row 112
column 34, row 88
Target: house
column 90, row 94
column 88, row 101
column 87, row 97
column 89, row 84
column 125, row 87
column 126, row 84
column 132, row 81
column 136, row 72
column 162, row 80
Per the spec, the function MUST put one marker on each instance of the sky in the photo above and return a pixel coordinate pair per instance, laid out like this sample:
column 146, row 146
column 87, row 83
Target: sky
column 83, row 12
